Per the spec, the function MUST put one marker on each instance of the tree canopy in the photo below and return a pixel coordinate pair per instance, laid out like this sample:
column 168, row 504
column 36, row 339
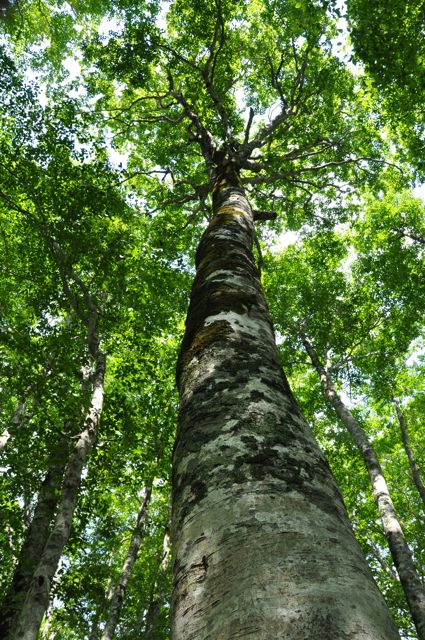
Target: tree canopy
column 112, row 115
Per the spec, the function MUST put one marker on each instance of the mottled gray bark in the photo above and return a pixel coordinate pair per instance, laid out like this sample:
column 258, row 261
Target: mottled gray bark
column 262, row 544
column 400, row 552
column 416, row 476
column 35, row 540
column 152, row 618
column 117, row 594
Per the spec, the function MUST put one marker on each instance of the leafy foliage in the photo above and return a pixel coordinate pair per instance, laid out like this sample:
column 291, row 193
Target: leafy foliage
column 167, row 87
column 388, row 39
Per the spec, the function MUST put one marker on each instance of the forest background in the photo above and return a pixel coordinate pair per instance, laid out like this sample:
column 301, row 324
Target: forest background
column 103, row 199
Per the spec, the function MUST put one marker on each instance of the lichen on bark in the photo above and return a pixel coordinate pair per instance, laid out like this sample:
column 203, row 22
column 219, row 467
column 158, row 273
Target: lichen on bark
column 262, row 544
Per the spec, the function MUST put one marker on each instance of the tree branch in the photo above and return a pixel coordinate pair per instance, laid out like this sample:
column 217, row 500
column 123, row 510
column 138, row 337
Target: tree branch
column 208, row 73
column 201, row 133
column 248, row 125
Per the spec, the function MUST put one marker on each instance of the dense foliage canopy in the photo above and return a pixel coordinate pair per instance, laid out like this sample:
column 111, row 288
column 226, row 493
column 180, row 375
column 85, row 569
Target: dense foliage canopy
column 110, row 114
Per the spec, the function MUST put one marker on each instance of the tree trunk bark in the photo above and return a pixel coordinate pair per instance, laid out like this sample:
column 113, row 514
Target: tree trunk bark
column 37, row 599
column 118, row 593
column 385, row 567
column 35, row 540
column 416, row 476
column 262, row 544
column 157, row 598
column 400, row 552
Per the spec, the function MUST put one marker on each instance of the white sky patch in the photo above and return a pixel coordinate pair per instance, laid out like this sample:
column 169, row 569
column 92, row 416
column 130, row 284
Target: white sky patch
column 415, row 357
column 42, row 96
column 72, row 65
column 118, row 160
column 92, row 101
column 33, row 77
column 240, row 98
column 351, row 400
column 241, row 106
column 161, row 21
column 348, row 262
column 108, row 27
column 280, row 339
column 283, row 240
column 417, row 350
column 419, row 192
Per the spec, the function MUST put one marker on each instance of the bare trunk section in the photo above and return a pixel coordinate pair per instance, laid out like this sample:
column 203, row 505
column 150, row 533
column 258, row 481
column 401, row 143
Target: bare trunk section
column 37, row 599
column 400, row 552
column 157, row 598
column 262, row 544
column 416, row 476
column 384, row 565
column 35, row 540
column 118, row 593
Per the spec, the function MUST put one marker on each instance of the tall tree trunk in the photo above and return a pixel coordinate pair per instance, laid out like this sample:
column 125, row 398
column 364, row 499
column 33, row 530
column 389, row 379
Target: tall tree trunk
column 37, row 599
column 262, row 544
column 35, row 540
column 416, row 476
column 157, row 598
column 94, row 630
column 400, row 552
column 384, row 565
column 117, row 595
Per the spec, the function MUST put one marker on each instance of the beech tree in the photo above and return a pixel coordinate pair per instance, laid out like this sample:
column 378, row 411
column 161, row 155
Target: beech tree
column 235, row 121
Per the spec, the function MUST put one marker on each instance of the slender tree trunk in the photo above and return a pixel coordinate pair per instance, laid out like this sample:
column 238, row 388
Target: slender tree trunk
column 152, row 618
column 416, row 476
column 384, row 565
column 37, row 599
column 262, row 544
column 35, row 540
column 94, row 631
column 157, row 598
column 118, row 593
column 400, row 552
